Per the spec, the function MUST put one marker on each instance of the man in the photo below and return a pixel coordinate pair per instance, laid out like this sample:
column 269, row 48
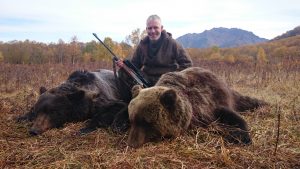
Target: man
column 158, row 52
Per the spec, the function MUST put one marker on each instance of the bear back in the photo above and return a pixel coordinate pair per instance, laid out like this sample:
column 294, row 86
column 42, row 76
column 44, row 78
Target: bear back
column 204, row 91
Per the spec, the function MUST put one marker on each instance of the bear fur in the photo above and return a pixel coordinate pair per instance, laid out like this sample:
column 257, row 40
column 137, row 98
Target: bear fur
column 179, row 101
column 84, row 95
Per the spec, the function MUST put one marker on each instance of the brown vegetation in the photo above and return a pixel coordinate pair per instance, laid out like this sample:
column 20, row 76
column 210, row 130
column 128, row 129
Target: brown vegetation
column 269, row 71
column 275, row 129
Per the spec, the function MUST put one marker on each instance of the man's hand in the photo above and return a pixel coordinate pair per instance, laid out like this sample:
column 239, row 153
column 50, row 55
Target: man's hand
column 120, row 63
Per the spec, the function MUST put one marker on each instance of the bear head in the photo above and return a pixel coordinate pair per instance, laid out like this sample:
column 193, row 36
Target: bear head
column 155, row 113
column 55, row 107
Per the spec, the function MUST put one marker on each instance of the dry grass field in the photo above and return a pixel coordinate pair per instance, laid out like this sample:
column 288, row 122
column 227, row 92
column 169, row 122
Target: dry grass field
column 275, row 129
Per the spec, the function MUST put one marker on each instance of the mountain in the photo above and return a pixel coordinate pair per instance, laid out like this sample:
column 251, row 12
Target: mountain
column 221, row 37
column 294, row 32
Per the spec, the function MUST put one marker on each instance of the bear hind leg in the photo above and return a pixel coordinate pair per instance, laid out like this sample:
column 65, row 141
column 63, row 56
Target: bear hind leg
column 234, row 127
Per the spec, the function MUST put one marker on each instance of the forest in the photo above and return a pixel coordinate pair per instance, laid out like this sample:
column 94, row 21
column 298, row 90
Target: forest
column 31, row 52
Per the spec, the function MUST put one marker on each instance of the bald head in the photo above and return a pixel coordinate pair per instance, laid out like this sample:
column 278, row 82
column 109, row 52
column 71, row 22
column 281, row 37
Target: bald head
column 153, row 17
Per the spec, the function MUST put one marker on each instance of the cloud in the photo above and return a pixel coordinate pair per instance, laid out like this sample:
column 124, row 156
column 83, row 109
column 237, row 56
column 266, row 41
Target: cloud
column 62, row 19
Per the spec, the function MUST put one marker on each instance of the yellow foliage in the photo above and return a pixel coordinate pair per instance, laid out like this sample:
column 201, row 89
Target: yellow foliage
column 1, row 57
column 229, row 59
column 244, row 58
column 216, row 56
column 261, row 57
column 87, row 57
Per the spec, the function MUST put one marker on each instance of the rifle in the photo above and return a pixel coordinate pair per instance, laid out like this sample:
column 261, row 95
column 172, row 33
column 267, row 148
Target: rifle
column 127, row 66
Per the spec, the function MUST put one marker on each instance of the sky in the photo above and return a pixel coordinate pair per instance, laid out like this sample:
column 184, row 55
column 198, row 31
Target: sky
column 50, row 20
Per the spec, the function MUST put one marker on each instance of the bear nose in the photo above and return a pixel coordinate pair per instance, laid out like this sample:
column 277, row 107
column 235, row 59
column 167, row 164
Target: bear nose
column 33, row 132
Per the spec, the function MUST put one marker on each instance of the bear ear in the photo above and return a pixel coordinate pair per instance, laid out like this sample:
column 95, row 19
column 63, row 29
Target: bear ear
column 76, row 96
column 136, row 90
column 168, row 99
column 42, row 90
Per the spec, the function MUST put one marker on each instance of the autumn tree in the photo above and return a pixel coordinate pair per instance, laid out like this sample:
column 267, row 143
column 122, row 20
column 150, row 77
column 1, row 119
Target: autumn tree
column 215, row 53
column 261, row 57
column 15, row 52
column 1, row 57
column 74, row 50
column 90, row 51
column 86, row 57
column 135, row 37
column 127, row 50
column 229, row 59
column 106, row 55
column 118, row 50
column 244, row 58
column 60, row 52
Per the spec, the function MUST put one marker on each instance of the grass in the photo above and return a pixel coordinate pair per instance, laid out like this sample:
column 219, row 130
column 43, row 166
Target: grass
column 62, row 148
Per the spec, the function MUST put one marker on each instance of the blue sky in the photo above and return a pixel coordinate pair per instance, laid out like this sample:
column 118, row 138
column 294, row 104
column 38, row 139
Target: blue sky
column 50, row 20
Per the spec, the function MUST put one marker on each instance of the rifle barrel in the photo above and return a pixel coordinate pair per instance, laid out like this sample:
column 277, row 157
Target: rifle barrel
column 114, row 56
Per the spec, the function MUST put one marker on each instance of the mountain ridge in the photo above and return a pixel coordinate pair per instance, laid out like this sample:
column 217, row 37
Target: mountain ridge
column 290, row 33
column 221, row 37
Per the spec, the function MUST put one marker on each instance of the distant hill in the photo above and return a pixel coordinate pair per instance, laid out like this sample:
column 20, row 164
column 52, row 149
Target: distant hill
column 221, row 37
column 294, row 32
column 275, row 51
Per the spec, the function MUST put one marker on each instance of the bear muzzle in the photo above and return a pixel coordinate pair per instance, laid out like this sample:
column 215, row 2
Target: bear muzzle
column 137, row 137
column 41, row 124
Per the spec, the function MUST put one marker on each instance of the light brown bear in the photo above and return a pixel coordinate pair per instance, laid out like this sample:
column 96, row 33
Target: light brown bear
column 179, row 101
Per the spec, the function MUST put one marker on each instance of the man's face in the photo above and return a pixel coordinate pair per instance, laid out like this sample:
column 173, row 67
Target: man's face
column 154, row 29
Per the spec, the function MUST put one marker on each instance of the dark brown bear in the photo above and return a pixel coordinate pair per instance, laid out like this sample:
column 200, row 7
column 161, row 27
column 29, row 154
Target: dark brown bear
column 85, row 95
column 179, row 101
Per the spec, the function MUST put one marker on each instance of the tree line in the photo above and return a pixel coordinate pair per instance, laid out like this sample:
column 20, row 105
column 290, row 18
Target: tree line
column 31, row 52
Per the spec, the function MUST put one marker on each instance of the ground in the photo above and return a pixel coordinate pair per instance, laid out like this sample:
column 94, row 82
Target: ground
column 62, row 148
